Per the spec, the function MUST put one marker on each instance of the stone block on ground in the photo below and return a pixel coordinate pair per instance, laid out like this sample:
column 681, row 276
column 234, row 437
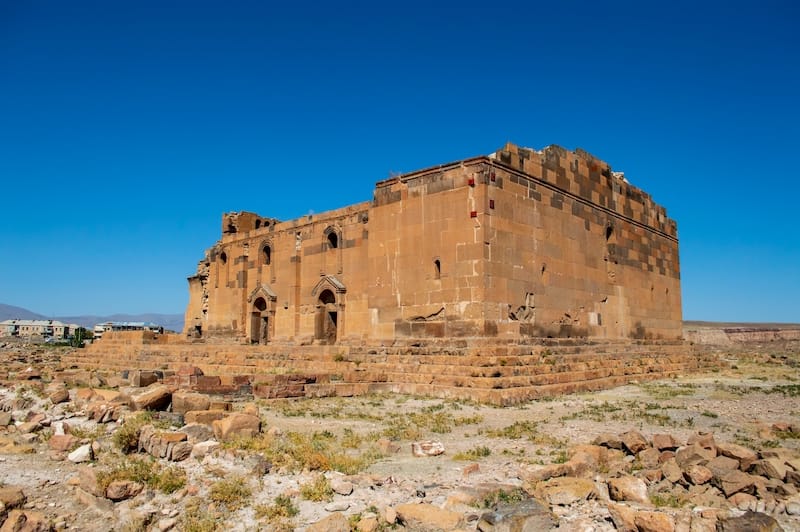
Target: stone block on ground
column 529, row 514
column 628, row 489
column 336, row 522
column 634, row 441
column 26, row 521
column 749, row 522
column 183, row 401
column 154, row 397
column 426, row 516
column 427, row 448
column 236, row 426
column 564, row 491
column 654, row 522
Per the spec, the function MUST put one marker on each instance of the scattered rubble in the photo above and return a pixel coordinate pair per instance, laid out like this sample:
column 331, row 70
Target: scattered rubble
column 81, row 450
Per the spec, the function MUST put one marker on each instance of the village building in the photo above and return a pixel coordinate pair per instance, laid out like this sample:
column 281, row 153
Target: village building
column 516, row 245
column 37, row 328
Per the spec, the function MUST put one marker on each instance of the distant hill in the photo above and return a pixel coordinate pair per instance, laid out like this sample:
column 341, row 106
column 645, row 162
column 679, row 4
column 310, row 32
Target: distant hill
column 172, row 322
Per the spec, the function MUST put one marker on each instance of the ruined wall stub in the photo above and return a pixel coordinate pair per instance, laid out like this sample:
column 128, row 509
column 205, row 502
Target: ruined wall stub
column 517, row 244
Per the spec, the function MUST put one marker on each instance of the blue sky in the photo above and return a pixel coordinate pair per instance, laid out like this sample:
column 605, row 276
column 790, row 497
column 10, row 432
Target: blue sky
column 127, row 128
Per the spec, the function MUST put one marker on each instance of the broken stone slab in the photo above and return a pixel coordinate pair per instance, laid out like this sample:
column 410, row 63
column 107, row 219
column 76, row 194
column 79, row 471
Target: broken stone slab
column 633, row 441
column 744, row 456
column 236, row 426
column 183, row 401
column 341, row 486
column 12, row 497
column 82, row 454
column 203, row 448
column 734, row 482
column 770, row 468
column 26, row 521
column 665, row 442
column 142, row 378
column 59, row 396
column 623, row 517
column 62, row 442
column 119, row 490
column 647, row 521
column 427, row 448
column 628, row 489
column 205, row 417
column 608, row 440
column 694, row 454
column 564, row 491
column 749, row 522
column 154, row 397
column 336, row 522
column 697, row 474
column 529, row 514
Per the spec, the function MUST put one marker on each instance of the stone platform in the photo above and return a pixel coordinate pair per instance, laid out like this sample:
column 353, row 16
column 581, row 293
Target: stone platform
column 460, row 369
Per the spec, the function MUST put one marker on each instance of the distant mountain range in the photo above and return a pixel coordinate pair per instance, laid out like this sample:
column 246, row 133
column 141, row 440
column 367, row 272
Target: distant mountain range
column 173, row 322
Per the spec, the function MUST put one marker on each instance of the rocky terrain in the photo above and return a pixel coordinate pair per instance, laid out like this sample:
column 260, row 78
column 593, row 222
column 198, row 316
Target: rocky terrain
column 91, row 451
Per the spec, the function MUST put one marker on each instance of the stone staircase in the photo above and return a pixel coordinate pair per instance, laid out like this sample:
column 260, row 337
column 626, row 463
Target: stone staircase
column 491, row 372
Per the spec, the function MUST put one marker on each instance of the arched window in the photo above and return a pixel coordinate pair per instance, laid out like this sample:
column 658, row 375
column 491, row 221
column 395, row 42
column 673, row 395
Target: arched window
column 437, row 269
column 266, row 254
column 223, row 257
column 333, row 240
column 609, row 232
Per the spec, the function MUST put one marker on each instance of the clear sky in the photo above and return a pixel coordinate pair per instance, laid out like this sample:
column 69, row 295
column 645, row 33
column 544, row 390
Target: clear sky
column 128, row 127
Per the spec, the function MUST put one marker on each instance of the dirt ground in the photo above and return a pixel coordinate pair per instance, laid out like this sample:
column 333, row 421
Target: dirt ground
column 755, row 389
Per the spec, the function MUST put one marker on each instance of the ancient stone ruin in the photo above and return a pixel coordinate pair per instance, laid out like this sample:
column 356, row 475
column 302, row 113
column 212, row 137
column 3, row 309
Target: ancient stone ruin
column 500, row 277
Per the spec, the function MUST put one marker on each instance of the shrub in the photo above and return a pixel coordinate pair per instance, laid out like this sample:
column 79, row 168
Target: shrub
column 319, row 490
column 231, row 492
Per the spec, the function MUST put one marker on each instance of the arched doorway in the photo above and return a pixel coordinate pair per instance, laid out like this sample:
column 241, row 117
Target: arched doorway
column 327, row 318
column 259, row 322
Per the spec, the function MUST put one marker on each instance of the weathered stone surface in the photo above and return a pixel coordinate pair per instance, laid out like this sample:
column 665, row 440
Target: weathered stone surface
column 703, row 439
column 183, row 401
column 336, row 522
column 143, row 378
column 770, row 468
column 665, row 442
column 59, row 396
column 197, row 432
column 749, row 522
column 744, row 456
column 654, row 522
column 181, row 451
column 26, row 521
column 624, row 517
column 609, row 440
column 633, row 441
column 694, row 454
column 236, row 426
column 119, row 490
column 154, row 397
column 564, row 491
column 427, row 448
column 426, row 516
column 628, row 489
column 649, row 457
column 526, row 515
column 81, row 454
column 62, row 442
column 201, row 449
column 204, row 417
column 12, row 496
column 341, row 486
column 734, row 482
column 697, row 474
column 721, row 465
